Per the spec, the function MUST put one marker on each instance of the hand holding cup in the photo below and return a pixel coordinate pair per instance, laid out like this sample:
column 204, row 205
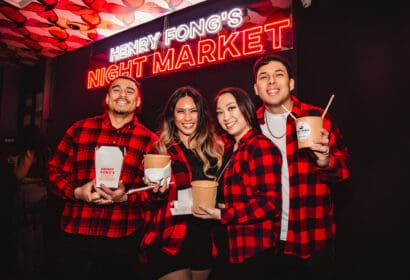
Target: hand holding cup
column 157, row 169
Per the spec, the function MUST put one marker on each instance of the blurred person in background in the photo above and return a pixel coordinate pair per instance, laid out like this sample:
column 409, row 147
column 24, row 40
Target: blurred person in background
column 30, row 200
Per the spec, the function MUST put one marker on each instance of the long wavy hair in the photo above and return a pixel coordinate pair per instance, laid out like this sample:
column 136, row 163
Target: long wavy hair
column 207, row 142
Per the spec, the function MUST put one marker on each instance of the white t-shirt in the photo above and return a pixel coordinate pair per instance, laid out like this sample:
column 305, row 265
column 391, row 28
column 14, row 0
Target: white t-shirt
column 276, row 124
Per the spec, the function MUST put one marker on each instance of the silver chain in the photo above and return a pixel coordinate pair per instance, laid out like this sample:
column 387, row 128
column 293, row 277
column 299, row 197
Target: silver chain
column 270, row 132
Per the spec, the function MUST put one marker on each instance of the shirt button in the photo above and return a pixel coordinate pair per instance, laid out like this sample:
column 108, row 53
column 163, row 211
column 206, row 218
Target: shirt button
column 114, row 142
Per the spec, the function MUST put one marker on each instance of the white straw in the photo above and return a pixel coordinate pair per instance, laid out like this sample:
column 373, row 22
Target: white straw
column 328, row 105
column 290, row 113
column 143, row 189
column 140, row 189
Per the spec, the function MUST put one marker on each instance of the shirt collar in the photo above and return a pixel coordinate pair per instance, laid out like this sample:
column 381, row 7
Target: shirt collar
column 249, row 134
column 107, row 121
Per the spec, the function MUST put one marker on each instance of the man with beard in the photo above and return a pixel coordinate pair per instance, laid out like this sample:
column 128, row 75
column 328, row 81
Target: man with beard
column 101, row 225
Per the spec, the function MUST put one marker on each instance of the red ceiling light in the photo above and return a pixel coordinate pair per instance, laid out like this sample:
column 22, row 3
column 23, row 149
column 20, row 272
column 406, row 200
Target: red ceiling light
column 19, row 3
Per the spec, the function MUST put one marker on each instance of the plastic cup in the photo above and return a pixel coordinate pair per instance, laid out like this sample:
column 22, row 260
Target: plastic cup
column 307, row 129
column 204, row 193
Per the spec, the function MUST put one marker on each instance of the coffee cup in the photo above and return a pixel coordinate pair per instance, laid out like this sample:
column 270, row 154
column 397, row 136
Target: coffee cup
column 307, row 129
column 204, row 193
column 156, row 161
column 157, row 168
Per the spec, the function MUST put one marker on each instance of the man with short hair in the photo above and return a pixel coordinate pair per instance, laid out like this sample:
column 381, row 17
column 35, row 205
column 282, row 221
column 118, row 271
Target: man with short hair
column 102, row 225
column 306, row 247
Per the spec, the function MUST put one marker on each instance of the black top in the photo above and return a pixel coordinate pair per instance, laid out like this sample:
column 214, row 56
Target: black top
column 197, row 165
column 220, row 175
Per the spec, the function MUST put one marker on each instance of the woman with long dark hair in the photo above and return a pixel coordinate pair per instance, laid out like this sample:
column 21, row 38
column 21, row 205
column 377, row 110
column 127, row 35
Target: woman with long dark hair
column 182, row 248
column 249, row 198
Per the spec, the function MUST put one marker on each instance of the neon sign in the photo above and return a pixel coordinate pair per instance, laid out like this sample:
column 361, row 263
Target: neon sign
column 189, row 45
column 211, row 25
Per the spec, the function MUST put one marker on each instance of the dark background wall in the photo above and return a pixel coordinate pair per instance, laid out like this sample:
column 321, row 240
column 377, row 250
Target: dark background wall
column 358, row 50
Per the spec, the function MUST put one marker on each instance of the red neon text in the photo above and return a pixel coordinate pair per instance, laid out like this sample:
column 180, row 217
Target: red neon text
column 251, row 41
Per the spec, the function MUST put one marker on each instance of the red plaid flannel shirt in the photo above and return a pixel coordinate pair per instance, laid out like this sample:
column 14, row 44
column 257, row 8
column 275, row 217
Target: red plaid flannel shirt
column 252, row 197
column 161, row 226
column 311, row 213
column 73, row 165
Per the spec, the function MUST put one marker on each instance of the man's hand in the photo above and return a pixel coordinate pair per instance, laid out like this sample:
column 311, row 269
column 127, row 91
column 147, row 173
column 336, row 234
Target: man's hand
column 102, row 195
column 86, row 192
column 109, row 196
column 321, row 149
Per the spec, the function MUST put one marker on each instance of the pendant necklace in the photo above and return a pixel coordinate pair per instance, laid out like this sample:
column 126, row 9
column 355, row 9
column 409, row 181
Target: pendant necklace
column 270, row 132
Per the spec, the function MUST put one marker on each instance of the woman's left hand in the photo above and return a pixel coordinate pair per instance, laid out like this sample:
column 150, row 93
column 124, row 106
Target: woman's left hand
column 210, row 213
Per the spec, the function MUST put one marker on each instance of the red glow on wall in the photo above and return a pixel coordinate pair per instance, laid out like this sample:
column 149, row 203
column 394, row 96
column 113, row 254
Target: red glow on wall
column 223, row 48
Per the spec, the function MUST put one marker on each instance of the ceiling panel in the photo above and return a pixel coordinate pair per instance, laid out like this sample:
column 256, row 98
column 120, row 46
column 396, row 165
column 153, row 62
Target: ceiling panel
column 48, row 28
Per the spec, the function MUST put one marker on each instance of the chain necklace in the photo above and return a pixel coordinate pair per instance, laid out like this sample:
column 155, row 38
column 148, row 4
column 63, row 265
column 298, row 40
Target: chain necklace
column 270, row 132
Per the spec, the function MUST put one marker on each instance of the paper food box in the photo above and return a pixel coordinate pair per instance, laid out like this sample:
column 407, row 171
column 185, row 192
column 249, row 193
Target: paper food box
column 108, row 165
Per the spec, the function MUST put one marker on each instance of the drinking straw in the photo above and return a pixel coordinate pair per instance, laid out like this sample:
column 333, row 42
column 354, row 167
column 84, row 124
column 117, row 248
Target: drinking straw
column 140, row 189
column 144, row 188
column 328, row 104
column 289, row 112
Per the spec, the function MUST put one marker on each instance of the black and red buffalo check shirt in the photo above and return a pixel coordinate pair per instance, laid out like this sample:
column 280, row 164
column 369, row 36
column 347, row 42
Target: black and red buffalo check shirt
column 161, row 227
column 252, row 196
column 73, row 165
column 311, row 209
